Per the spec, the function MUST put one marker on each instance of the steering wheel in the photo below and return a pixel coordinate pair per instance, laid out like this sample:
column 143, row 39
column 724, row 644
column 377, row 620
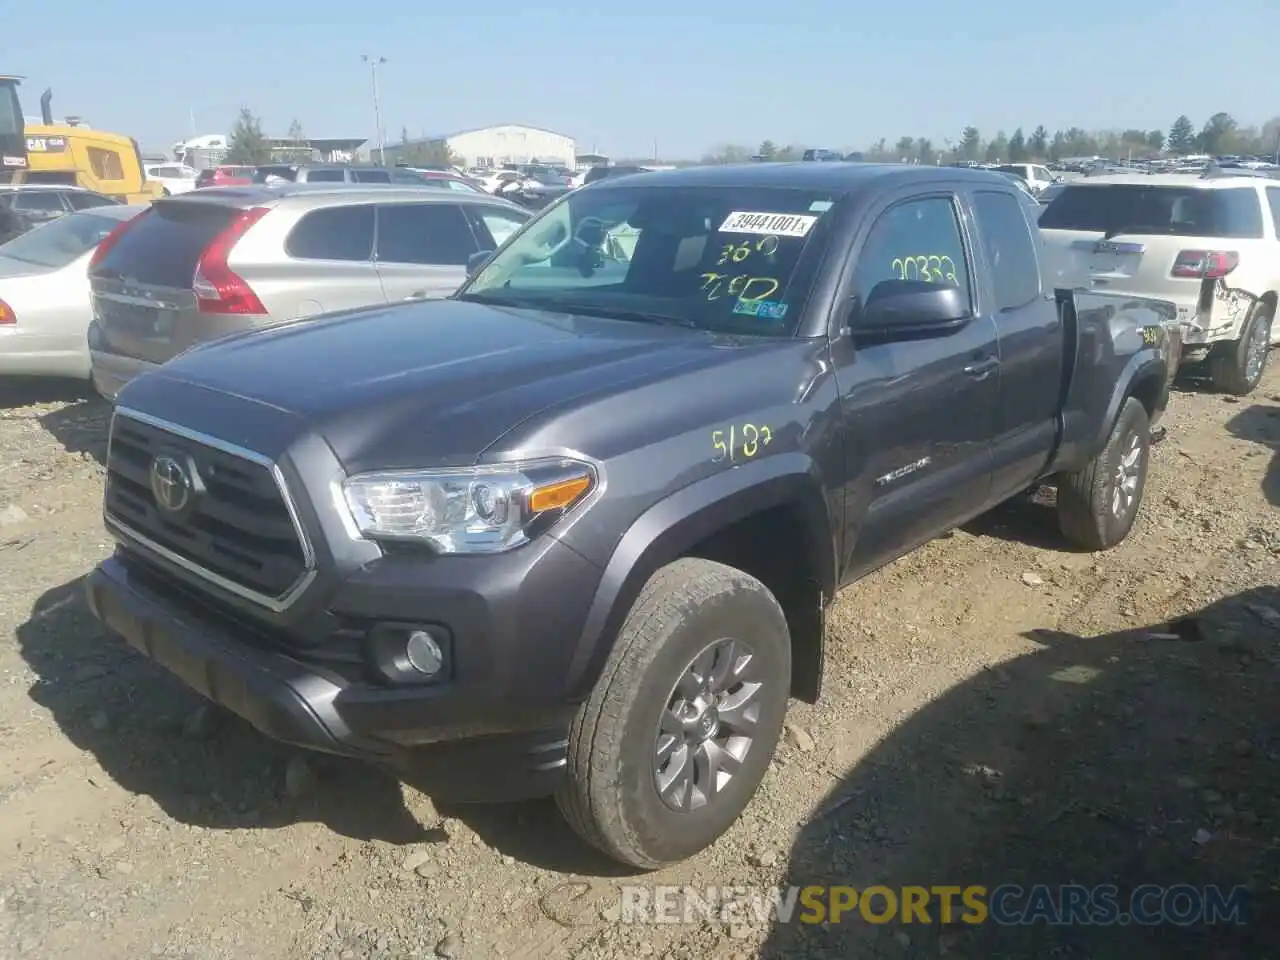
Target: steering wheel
column 576, row 237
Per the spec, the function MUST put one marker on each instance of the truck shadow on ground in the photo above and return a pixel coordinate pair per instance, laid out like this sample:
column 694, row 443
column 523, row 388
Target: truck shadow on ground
column 26, row 391
column 80, row 419
column 1030, row 519
column 1142, row 757
column 203, row 766
column 1261, row 424
column 81, row 427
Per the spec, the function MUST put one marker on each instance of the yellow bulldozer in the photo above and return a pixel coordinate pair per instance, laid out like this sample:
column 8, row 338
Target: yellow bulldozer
column 68, row 152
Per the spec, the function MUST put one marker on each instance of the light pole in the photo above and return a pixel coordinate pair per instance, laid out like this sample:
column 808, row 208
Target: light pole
column 374, row 63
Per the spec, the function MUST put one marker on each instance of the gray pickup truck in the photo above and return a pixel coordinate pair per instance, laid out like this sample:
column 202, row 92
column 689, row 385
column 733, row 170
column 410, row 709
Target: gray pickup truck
column 573, row 530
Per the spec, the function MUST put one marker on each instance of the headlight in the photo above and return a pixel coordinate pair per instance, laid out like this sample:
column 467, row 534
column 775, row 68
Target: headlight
column 484, row 509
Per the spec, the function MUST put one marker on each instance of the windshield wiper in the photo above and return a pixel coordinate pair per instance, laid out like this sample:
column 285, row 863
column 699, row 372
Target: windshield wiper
column 635, row 316
column 558, row 305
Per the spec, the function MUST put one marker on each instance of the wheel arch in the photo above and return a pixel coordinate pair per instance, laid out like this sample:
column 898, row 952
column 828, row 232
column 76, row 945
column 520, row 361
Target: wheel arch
column 1145, row 378
column 770, row 518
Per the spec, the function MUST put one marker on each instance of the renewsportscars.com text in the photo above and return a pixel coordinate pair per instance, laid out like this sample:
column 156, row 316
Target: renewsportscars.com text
column 1008, row 904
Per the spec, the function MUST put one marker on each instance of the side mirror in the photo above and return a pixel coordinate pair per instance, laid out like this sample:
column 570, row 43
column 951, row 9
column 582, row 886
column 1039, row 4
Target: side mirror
column 905, row 309
column 476, row 261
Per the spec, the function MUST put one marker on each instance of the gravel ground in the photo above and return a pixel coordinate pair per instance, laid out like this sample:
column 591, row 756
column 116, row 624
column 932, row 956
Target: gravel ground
column 998, row 709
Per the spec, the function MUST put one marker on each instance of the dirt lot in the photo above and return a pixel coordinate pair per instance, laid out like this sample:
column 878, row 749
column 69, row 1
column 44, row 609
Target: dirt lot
column 998, row 709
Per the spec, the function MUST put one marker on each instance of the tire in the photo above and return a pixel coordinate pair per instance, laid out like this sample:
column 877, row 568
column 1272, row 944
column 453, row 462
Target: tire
column 610, row 796
column 1236, row 368
column 1092, row 510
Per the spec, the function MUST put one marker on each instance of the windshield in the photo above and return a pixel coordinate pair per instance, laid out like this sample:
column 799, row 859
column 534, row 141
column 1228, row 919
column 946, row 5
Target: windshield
column 1161, row 210
column 729, row 259
column 60, row 241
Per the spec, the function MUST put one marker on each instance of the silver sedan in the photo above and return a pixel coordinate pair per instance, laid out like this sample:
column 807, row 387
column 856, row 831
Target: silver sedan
column 44, row 293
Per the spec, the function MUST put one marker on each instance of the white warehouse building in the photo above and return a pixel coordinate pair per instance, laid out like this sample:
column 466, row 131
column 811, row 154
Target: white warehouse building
column 508, row 143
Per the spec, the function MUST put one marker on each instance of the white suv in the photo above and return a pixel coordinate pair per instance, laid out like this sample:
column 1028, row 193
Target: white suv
column 1033, row 175
column 1210, row 244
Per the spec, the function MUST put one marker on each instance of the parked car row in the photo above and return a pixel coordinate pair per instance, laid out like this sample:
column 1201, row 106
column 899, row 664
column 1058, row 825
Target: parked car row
column 1208, row 243
column 39, row 203
column 195, row 266
column 44, row 292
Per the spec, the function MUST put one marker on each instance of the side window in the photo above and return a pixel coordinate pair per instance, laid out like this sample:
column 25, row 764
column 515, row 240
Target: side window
column 338, row 233
column 1273, row 198
column 428, row 233
column 86, row 201
column 1010, row 250
column 326, row 176
column 915, row 240
column 105, row 164
column 43, row 200
column 372, row 176
column 494, row 226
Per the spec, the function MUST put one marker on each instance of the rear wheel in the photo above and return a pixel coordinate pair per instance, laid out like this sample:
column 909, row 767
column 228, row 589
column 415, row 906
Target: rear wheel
column 1236, row 368
column 679, row 731
column 1097, row 506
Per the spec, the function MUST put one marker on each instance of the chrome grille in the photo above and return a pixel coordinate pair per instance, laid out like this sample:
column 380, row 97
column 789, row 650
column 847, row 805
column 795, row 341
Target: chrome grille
column 240, row 531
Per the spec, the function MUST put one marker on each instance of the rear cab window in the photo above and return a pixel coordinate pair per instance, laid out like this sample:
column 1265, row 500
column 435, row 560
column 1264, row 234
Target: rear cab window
column 165, row 243
column 1009, row 247
column 1157, row 210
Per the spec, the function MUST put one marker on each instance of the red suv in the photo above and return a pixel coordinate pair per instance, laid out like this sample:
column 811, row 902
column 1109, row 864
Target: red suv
column 225, row 177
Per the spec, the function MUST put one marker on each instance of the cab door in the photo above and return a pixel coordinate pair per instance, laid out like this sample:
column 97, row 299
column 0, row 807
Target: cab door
column 919, row 413
column 1031, row 334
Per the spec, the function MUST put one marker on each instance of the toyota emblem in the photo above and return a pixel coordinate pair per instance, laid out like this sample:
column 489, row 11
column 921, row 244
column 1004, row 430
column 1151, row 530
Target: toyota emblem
column 171, row 483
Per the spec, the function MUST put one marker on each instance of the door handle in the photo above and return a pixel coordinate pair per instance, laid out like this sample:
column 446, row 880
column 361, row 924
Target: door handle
column 980, row 369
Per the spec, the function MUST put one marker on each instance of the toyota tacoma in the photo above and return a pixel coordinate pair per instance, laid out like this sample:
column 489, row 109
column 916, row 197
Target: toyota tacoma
column 573, row 530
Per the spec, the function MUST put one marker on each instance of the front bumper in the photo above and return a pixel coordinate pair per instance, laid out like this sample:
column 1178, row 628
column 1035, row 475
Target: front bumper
column 456, row 742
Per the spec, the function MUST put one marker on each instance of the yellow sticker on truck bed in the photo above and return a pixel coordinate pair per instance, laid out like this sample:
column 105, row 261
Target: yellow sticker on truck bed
column 774, row 224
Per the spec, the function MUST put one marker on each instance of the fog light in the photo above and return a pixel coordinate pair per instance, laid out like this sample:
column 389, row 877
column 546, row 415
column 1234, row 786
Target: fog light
column 423, row 653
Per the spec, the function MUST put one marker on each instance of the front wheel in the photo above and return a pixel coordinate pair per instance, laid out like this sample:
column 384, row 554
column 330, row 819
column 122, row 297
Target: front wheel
column 679, row 730
column 1236, row 368
column 1097, row 506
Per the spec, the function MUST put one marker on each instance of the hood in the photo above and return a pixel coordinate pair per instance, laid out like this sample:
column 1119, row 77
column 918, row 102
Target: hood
column 433, row 383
